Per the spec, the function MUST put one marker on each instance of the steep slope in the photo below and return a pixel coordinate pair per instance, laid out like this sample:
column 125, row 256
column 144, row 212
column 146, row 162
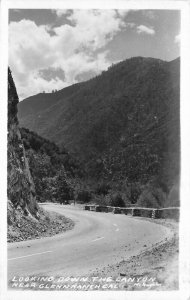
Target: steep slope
column 52, row 168
column 123, row 123
column 26, row 220
column 21, row 189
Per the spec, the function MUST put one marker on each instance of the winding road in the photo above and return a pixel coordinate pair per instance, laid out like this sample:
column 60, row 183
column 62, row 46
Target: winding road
column 98, row 239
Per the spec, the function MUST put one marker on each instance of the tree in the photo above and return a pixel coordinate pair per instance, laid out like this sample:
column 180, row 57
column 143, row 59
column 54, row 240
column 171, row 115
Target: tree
column 64, row 190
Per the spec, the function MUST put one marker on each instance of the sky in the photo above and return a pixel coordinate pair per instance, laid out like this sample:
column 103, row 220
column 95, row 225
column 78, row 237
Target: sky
column 51, row 49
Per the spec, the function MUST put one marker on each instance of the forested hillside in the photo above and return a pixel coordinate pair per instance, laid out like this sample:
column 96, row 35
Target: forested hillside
column 53, row 169
column 123, row 126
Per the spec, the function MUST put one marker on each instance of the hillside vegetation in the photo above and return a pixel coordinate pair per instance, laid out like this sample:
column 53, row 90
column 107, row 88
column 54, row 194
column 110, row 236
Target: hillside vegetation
column 52, row 168
column 123, row 126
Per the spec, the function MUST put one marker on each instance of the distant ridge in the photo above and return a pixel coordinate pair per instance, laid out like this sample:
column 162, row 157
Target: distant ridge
column 129, row 113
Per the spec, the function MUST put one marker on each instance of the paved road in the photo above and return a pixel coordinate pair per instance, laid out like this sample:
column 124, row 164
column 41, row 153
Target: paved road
column 98, row 239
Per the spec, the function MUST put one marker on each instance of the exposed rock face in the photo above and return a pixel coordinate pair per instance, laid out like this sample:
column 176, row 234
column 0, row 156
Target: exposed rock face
column 21, row 189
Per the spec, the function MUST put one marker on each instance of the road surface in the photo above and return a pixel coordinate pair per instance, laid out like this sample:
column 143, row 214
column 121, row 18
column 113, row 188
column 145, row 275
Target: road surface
column 98, row 239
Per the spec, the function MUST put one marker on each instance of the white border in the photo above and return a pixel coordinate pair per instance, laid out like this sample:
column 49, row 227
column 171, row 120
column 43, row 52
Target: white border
column 106, row 4
column 3, row 148
column 184, row 231
column 184, row 6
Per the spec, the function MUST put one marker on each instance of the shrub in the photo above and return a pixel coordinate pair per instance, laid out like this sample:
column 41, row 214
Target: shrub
column 135, row 192
column 115, row 199
column 99, row 199
column 83, row 196
column 173, row 197
column 152, row 197
column 102, row 188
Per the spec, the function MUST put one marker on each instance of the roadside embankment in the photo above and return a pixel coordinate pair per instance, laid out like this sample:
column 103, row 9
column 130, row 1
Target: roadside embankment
column 159, row 262
column 22, row 227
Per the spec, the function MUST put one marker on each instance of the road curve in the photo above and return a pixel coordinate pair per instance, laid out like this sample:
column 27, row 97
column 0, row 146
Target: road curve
column 98, row 239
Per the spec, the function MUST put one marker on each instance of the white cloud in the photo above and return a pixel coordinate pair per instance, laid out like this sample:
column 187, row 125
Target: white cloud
column 96, row 27
column 72, row 48
column 177, row 38
column 62, row 12
column 146, row 30
column 123, row 12
column 36, row 84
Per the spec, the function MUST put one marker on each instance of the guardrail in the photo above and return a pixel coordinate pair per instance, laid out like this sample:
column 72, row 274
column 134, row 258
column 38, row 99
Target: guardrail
column 154, row 213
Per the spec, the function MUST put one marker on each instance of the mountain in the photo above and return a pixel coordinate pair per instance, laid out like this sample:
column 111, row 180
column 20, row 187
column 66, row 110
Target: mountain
column 123, row 123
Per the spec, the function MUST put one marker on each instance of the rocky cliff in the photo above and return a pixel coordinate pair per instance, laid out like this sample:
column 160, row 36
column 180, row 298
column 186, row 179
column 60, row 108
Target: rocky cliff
column 21, row 189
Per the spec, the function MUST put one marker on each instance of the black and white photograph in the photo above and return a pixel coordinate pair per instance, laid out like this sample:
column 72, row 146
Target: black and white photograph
column 94, row 149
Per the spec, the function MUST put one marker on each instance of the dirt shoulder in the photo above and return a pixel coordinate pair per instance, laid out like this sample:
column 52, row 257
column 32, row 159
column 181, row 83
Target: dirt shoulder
column 21, row 227
column 152, row 269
